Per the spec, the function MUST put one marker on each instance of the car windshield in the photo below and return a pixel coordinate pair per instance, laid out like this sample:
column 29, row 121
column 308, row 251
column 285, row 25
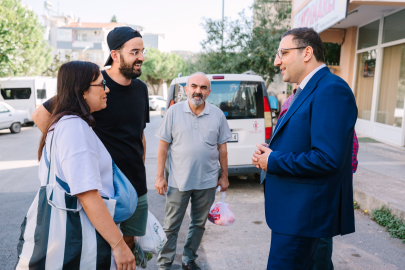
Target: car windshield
column 237, row 99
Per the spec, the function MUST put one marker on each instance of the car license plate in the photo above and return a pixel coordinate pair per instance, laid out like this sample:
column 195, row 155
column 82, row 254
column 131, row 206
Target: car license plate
column 234, row 137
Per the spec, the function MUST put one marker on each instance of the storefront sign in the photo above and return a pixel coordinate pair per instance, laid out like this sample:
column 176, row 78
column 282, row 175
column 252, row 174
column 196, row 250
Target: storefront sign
column 321, row 14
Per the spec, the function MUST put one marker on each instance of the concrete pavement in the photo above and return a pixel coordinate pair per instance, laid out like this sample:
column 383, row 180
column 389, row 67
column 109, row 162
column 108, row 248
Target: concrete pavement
column 244, row 245
column 380, row 178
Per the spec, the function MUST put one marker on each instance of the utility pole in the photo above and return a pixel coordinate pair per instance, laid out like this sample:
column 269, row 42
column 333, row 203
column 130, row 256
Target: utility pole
column 223, row 7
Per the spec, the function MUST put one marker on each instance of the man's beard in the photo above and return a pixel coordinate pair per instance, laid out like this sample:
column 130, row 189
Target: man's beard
column 197, row 102
column 127, row 69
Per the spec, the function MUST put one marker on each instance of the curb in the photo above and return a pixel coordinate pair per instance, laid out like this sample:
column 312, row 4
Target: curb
column 370, row 203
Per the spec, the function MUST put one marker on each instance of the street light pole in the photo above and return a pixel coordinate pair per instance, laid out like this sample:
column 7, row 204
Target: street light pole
column 223, row 7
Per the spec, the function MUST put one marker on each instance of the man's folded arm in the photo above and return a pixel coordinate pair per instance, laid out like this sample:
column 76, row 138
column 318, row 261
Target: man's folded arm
column 333, row 117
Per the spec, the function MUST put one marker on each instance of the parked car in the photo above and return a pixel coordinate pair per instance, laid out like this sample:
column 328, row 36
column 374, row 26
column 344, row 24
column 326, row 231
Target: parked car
column 27, row 93
column 12, row 118
column 156, row 102
column 244, row 100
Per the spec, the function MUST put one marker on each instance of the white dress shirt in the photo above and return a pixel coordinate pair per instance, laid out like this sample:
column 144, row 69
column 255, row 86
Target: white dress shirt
column 309, row 76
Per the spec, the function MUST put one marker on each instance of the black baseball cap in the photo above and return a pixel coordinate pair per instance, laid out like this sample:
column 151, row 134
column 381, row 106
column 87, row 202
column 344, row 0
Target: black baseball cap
column 117, row 37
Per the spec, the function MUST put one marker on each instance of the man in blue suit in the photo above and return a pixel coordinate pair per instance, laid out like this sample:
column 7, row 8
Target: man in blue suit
column 308, row 185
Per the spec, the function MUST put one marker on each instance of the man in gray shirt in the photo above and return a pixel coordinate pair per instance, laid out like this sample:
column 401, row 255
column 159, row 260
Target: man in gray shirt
column 196, row 132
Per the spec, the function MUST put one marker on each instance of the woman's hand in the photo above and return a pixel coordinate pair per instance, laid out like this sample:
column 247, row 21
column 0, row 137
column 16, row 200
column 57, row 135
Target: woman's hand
column 124, row 258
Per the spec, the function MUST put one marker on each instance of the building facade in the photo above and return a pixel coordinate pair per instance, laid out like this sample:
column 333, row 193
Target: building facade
column 80, row 41
column 372, row 60
column 157, row 41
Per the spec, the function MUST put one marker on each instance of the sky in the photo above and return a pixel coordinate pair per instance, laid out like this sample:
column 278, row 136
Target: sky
column 179, row 20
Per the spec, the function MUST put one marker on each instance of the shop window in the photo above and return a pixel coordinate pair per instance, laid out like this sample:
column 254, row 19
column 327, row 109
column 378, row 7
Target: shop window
column 364, row 83
column 394, row 27
column 392, row 90
column 368, row 35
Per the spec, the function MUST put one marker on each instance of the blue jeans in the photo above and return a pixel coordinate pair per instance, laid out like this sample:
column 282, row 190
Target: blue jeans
column 323, row 255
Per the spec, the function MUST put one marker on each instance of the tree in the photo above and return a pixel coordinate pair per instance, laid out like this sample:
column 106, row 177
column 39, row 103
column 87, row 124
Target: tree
column 114, row 19
column 23, row 50
column 52, row 69
column 250, row 43
column 159, row 67
column 332, row 53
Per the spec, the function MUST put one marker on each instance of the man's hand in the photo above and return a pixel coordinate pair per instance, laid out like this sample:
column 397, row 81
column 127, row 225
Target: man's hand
column 224, row 183
column 161, row 185
column 260, row 156
column 257, row 151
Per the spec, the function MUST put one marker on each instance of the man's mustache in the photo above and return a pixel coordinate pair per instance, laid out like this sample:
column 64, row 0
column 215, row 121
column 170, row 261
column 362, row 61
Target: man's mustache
column 197, row 95
column 137, row 62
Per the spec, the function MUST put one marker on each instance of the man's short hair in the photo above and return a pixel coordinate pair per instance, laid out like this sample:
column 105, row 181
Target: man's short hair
column 304, row 37
column 202, row 73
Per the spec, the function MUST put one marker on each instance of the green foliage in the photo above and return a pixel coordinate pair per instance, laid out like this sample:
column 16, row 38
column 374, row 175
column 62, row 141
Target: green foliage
column 23, row 51
column 52, row 69
column 160, row 66
column 332, row 53
column 250, row 43
column 356, row 205
column 393, row 225
column 114, row 18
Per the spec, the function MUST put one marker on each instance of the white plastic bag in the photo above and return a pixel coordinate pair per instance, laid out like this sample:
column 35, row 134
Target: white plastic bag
column 220, row 213
column 155, row 237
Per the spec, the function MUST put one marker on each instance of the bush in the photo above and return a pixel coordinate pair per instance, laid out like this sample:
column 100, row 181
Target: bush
column 393, row 225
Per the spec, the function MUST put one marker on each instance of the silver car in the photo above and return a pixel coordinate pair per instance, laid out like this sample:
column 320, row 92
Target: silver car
column 11, row 118
column 156, row 102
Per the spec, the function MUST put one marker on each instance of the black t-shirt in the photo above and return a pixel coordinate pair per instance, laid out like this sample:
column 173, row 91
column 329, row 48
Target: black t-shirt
column 120, row 127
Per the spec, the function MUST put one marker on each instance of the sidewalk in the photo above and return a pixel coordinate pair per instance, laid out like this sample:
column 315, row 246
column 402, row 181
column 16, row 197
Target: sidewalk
column 380, row 177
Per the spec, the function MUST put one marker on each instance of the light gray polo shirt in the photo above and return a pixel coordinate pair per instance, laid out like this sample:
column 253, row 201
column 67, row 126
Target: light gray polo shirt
column 194, row 140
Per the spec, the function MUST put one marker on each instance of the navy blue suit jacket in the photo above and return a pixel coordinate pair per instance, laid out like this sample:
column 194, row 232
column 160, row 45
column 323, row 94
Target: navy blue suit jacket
column 309, row 186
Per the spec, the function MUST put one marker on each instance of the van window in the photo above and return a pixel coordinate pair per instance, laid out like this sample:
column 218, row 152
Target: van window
column 237, row 99
column 41, row 94
column 16, row 93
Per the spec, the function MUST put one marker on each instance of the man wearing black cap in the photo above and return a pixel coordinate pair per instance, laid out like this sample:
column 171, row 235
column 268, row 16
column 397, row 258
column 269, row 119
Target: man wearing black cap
column 121, row 125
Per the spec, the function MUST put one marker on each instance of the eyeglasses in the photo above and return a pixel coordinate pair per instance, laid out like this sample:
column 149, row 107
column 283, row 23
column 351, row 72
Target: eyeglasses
column 102, row 84
column 136, row 53
column 280, row 53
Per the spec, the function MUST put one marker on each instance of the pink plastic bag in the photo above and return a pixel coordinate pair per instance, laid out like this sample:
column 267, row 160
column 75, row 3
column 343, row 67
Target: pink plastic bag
column 221, row 214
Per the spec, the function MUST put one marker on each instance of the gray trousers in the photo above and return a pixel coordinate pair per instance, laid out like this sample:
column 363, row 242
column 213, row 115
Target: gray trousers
column 176, row 205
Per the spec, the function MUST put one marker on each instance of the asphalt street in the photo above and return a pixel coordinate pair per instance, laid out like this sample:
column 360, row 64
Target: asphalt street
column 244, row 245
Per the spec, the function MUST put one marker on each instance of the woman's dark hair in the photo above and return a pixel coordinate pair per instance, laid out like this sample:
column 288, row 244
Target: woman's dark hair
column 304, row 37
column 74, row 78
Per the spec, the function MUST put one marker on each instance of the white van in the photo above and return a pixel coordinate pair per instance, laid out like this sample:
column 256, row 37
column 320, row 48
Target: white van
column 244, row 101
column 27, row 93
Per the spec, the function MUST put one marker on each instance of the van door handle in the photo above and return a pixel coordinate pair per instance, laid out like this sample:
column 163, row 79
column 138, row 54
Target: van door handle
column 9, row 115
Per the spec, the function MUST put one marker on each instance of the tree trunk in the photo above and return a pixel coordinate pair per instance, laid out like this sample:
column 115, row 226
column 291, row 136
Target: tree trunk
column 151, row 85
column 159, row 84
